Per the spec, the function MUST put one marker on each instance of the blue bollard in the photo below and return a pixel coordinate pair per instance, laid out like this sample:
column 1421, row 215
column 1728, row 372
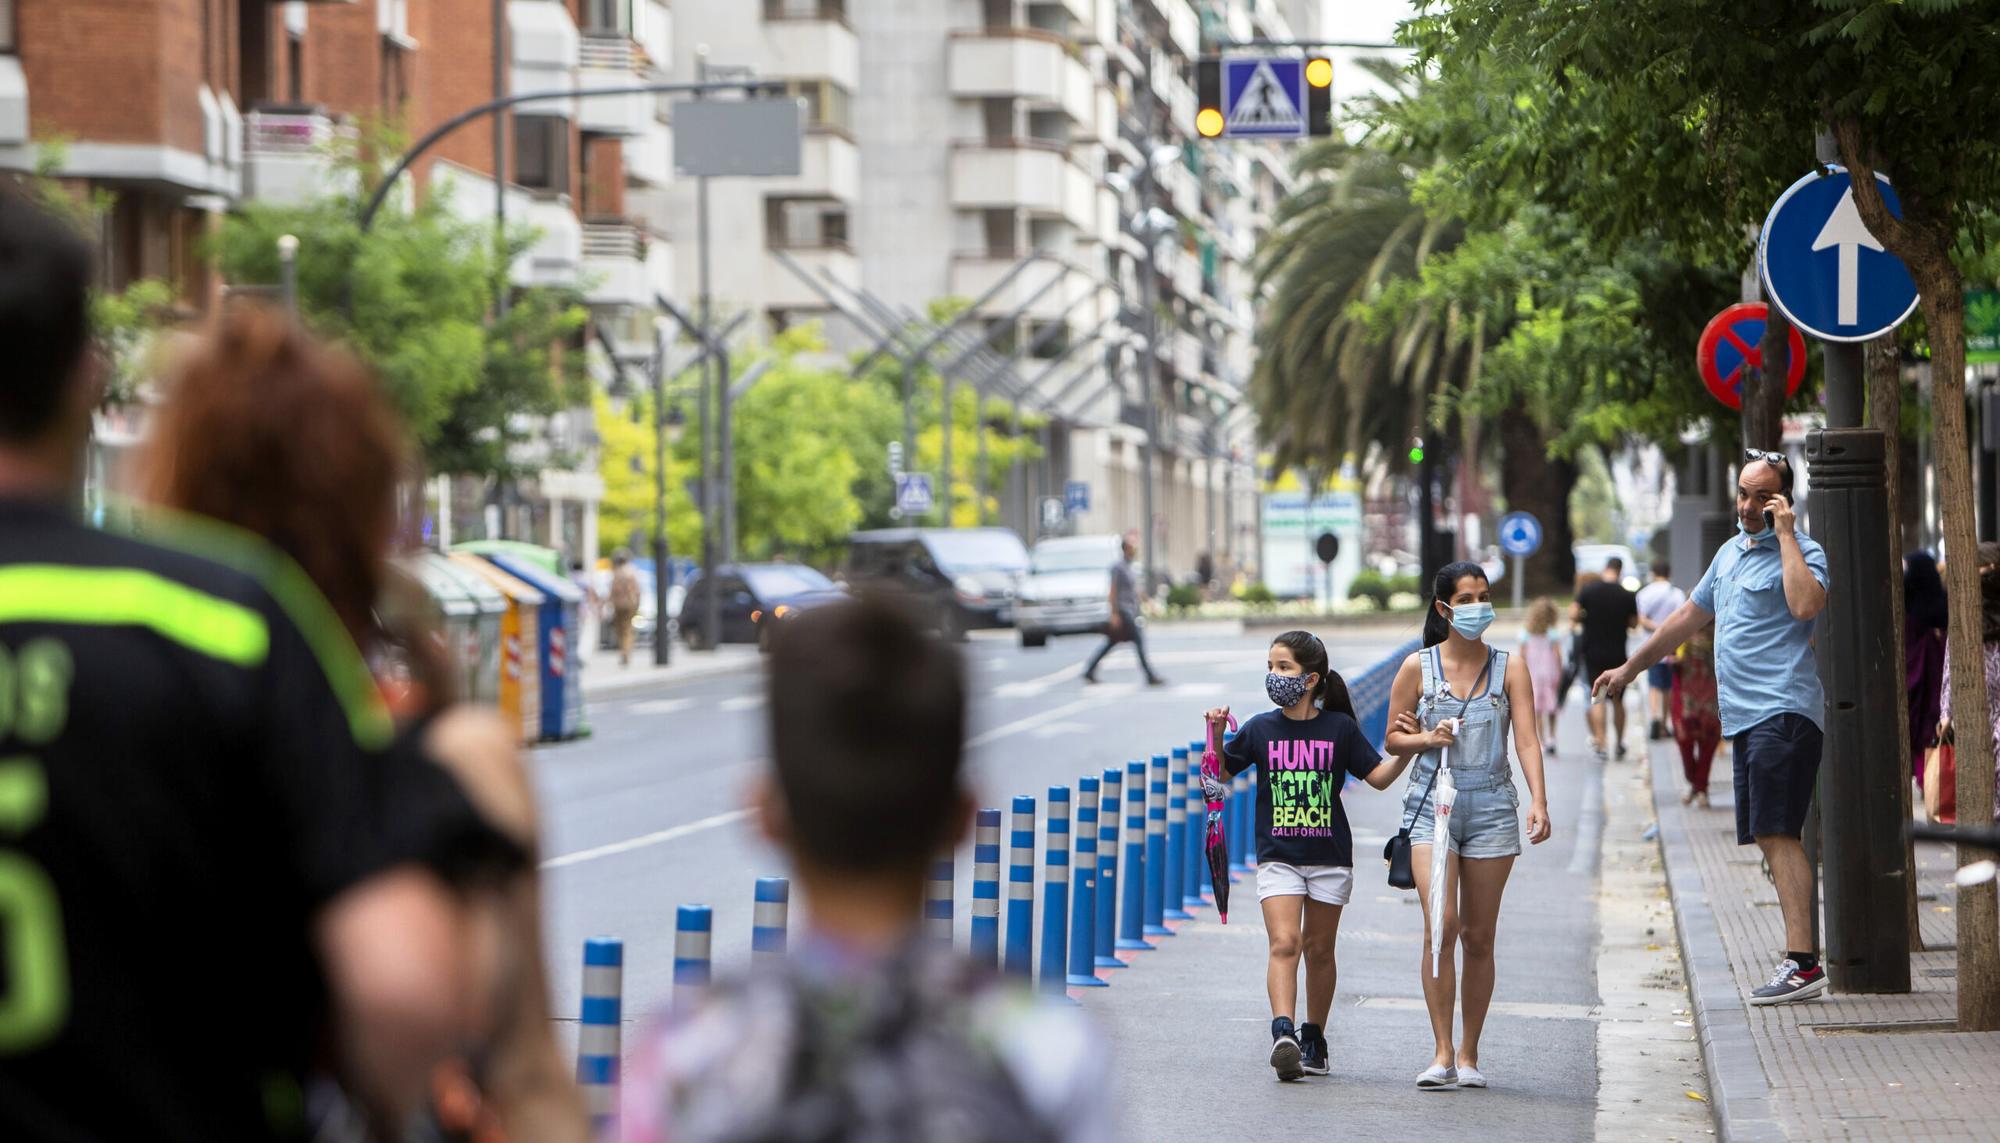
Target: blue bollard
column 1083, row 889
column 1195, row 890
column 770, row 910
column 1132, row 921
column 693, row 928
column 937, row 901
column 1156, row 848
column 1105, row 924
column 986, row 890
column 1021, row 891
column 1055, row 893
column 1173, row 903
column 599, row 1031
column 1242, row 817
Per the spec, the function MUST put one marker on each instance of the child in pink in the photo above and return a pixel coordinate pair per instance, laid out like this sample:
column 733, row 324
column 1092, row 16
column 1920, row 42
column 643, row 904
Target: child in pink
column 1544, row 659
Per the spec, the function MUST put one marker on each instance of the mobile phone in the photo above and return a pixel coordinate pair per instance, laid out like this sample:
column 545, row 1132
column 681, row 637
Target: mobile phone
column 1770, row 520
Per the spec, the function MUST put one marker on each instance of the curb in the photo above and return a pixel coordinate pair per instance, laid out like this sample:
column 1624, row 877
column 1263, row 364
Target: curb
column 1739, row 1091
column 639, row 684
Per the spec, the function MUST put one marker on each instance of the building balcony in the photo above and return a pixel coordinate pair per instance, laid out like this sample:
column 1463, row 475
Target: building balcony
column 1023, row 174
column 612, row 61
column 614, row 264
column 556, row 258
column 1022, row 63
column 545, row 49
column 811, row 39
column 1183, row 189
column 287, row 155
column 1186, row 354
column 1046, row 288
column 649, row 155
column 835, row 260
column 829, row 167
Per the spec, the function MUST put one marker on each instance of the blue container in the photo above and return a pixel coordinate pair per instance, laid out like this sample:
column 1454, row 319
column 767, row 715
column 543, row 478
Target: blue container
column 558, row 645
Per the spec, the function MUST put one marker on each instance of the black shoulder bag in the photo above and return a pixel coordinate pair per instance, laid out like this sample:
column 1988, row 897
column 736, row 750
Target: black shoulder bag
column 1397, row 852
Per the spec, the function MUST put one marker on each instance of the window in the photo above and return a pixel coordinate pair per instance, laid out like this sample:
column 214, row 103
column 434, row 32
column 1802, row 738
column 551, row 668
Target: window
column 804, row 224
column 541, row 152
column 7, row 40
column 295, row 66
column 826, row 103
column 395, row 87
column 607, row 18
column 805, row 10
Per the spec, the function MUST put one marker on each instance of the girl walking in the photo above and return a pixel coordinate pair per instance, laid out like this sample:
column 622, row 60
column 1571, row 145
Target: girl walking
column 1697, row 718
column 1465, row 697
column 1545, row 667
column 1304, row 750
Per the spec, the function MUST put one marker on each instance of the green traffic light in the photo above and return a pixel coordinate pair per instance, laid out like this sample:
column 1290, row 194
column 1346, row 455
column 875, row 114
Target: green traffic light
column 1417, row 455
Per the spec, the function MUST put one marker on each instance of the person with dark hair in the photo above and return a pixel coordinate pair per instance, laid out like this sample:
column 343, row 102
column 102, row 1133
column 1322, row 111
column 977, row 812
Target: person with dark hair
column 1946, row 798
column 189, row 744
column 1304, row 751
column 1762, row 592
column 1925, row 613
column 1461, row 696
column 1606, row 613
column 867, row 1031
column 1656, row 601
column 1123, row 626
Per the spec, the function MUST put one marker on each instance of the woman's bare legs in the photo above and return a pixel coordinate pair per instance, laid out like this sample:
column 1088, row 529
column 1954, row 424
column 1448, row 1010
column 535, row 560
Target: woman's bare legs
column 1481, row 881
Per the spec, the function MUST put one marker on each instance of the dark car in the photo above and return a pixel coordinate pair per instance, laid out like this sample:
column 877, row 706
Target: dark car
column 753, row 597
column 957, row 579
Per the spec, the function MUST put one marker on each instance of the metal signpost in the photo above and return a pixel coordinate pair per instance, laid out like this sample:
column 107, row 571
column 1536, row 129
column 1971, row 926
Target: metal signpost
column 1520, row 537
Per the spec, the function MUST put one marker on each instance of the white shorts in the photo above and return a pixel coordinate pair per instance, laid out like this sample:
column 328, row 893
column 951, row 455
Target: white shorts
column 1327, row 884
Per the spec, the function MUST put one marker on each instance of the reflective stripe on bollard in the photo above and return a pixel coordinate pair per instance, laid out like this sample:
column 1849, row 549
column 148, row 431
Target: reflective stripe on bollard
column 599, row 1029
column 986, row 889
column 1132, row 918
column 769, row 919
column 692, row 935
column 1021, row 890
column 1105, row 924
column 1083, row 889
column 1055, row 893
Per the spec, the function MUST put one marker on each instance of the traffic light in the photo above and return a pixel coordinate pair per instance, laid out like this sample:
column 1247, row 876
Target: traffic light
column 1417, row 451
column 1211, row 121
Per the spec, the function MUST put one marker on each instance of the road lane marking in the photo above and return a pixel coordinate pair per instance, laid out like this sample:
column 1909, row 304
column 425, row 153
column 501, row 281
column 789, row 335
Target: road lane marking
column 1008, row 730
column 743, row 702
column 644, row 841
column 1029, row 687
column 1530, row 1009
column 661, row 706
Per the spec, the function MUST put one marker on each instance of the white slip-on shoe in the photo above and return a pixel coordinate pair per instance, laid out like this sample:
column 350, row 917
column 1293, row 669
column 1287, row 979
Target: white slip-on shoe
column 1437, row 1077
column 1469, row 1076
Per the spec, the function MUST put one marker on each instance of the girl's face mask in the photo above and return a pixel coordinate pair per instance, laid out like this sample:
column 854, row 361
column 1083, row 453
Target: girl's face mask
column 1286, row 690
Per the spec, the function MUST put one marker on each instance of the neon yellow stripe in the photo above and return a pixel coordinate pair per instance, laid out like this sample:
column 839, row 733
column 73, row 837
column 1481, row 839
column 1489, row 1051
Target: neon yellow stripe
column 128, row 597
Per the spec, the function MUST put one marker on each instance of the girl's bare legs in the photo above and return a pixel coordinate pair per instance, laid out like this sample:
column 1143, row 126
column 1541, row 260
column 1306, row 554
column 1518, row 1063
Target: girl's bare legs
column 1441, row 991
column 1481, row 881
column 1281, row 977
column 1322, row 929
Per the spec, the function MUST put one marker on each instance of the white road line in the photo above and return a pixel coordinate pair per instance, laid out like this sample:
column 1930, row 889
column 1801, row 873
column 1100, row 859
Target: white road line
column 645, row 840
column 743, row 702
column 1008, row 730
column 661, row 706
column 1028, row 687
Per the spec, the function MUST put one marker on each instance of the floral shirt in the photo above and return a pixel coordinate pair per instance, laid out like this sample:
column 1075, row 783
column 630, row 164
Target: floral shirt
column 837, row 1046
column 1992, row 660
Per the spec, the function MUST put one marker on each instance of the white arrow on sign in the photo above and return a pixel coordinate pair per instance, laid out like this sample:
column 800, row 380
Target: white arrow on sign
column 1845, row 230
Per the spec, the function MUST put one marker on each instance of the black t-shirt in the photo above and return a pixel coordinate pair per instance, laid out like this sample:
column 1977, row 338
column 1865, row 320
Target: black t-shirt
column 1608, row 611
column 1302, row 765
column 189, row 769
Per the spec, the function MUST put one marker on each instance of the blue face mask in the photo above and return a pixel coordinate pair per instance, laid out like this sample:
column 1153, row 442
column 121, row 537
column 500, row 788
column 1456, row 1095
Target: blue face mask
column 1285, row 690
column 1472, row 619
column 1766, row 534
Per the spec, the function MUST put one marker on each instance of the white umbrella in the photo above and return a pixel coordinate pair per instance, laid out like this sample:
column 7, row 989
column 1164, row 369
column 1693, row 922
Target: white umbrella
column 1441, row 845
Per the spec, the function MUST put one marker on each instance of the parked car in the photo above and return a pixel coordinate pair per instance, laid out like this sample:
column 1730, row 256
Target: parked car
column 1067, row 590
column 753, row 597
column 1591, row 558
column 957, row 579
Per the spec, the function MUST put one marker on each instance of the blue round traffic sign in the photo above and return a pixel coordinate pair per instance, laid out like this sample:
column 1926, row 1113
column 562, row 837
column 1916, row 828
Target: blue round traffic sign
column 1828, row 275
column 1520, row 534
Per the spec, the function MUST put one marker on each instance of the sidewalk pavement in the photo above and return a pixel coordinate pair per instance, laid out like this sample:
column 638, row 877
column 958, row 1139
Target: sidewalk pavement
column 604, row 678
column 1839, row 1067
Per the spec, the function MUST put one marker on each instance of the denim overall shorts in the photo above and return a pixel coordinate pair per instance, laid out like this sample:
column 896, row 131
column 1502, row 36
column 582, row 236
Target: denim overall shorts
column 1486, row 813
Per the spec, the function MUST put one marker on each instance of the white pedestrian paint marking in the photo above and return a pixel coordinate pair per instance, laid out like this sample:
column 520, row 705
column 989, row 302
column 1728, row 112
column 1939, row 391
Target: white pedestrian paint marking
column 661, row 706
column 1043, row 718
column 742, row 703
column 659, row 837
column 1058, row 729
column 1529, row 1009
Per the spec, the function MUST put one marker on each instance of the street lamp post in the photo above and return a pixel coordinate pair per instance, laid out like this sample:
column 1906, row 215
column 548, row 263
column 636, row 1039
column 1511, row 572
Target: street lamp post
column 663, row 569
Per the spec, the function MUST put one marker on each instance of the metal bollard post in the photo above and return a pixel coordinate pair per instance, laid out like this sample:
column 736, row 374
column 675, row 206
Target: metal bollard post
column 986, row 889
column 1021, row 891
column 1131, row 924
column 1173, row 902
column 769, row 918
column 937, row 901
column 1055, row 892
column 600, row 1029
column 1156, row 848
column 1083, row 892
column 1195, row 890
column 1242, row 819
column 1104, row 925
column 693, row 928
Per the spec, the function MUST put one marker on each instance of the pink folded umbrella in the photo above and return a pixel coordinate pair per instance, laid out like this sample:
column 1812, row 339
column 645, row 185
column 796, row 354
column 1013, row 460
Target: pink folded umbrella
column 1216, row 791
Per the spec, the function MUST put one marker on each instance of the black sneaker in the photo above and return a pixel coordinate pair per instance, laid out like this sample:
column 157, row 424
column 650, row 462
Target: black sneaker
column 1658, row 732
column 1313, row 1050
column 1791, row 983
column 1285, row 1053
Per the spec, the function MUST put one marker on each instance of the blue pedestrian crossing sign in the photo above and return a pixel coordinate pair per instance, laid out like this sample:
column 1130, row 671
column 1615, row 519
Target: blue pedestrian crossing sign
column 913, row 493
column 1076, row 496
column 1520, row 535
column 1264, row 97
column 1823, row 268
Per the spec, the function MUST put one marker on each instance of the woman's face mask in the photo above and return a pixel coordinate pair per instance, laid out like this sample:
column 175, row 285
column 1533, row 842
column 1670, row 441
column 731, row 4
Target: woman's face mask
column 1472, row 619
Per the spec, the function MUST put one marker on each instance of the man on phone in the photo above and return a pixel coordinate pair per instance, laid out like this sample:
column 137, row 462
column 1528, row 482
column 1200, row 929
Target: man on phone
column 1762, row 592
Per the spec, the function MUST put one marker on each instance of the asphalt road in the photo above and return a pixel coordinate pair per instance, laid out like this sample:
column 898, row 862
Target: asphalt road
column 646, row 815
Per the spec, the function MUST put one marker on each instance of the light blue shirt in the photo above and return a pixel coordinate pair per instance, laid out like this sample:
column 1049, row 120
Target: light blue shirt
column 1764, row 661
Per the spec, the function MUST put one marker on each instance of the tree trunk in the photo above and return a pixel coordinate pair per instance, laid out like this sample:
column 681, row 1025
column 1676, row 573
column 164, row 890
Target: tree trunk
column 1885, row 412
column 1924, row 242
column 1764, row 389
column 1538, row 485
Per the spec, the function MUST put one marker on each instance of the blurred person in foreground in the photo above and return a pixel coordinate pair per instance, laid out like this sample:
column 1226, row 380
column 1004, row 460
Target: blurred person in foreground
column 867, row 1032
column 263, row 429
column 204, row 889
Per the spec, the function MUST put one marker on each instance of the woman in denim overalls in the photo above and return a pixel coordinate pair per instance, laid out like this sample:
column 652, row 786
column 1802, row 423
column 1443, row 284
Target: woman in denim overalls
column 1457, row 672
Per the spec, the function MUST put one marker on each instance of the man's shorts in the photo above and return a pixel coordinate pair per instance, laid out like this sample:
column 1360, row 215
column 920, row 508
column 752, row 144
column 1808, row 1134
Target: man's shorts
column 1660, row 676
column 1593, row 666
column 1327, row 884
column 1777, row 762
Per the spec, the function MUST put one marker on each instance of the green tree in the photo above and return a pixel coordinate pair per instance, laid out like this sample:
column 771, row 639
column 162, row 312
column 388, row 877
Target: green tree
column 625, row 461
column 414, row 297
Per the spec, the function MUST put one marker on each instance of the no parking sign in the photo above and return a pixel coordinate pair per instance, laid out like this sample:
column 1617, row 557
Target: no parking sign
column 1732, row 342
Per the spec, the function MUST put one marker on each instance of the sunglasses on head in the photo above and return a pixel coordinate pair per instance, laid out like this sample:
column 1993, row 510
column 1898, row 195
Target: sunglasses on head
column 1767, row 457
